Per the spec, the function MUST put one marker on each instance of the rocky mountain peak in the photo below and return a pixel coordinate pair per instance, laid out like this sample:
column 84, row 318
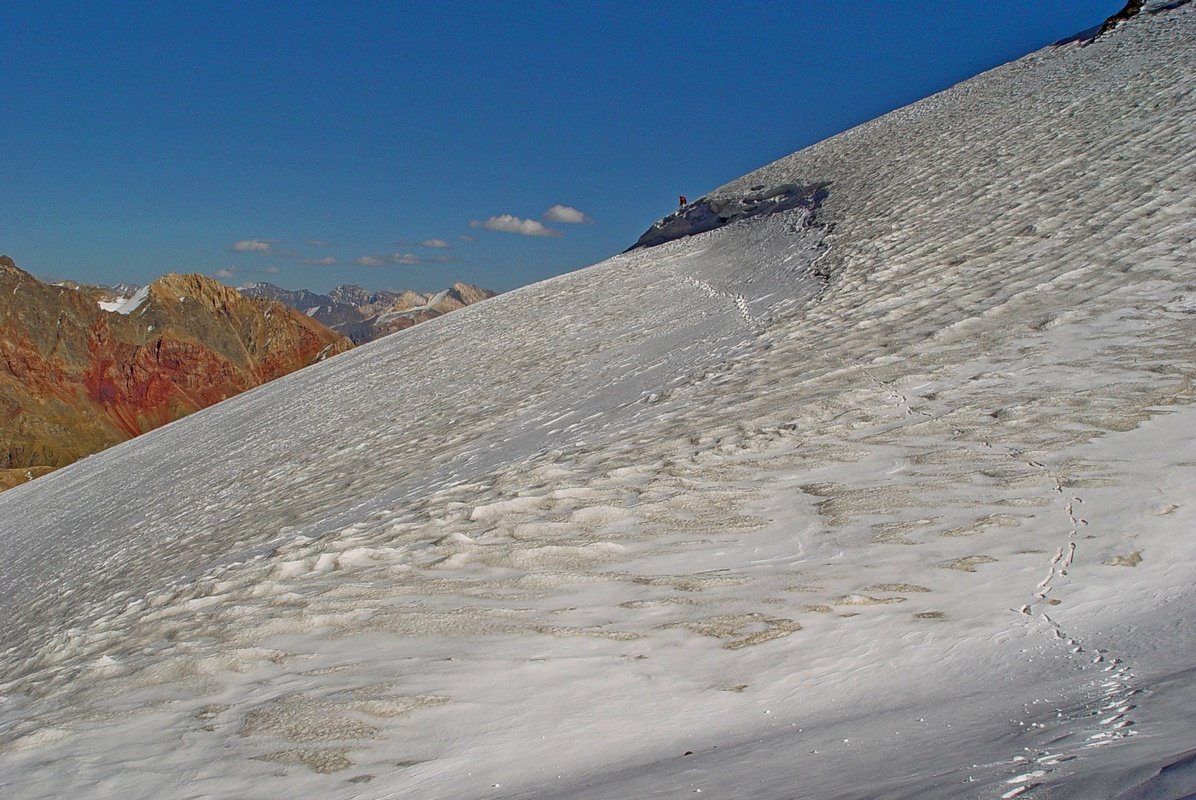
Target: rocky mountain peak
column 470, row 294
column 212, row 294
column 353, row 295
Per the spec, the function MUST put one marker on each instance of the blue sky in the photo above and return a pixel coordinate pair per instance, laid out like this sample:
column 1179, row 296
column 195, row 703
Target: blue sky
column 408, row 145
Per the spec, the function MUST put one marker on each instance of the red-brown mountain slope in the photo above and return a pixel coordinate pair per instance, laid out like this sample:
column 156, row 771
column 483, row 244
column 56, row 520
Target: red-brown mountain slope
column 75, row 379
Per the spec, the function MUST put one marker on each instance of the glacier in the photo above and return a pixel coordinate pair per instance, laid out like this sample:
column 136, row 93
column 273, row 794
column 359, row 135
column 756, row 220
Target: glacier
column 887, row 495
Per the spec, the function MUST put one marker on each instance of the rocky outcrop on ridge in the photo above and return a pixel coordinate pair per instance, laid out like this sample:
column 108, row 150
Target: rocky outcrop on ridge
column 75, row 378
column 710, row 212
column 363, row 315
column 1132, row 9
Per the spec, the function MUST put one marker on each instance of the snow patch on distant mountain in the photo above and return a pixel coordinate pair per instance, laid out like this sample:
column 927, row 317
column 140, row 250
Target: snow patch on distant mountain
column 108, row 298
column 112, row 305
column 133, row 303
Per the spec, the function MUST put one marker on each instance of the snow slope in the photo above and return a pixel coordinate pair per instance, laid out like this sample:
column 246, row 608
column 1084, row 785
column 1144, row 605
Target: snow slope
column 887, row 499
column 131, row 304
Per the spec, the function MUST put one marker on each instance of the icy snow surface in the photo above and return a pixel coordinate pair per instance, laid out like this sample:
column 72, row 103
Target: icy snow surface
column 112, row 305
column 894, row 500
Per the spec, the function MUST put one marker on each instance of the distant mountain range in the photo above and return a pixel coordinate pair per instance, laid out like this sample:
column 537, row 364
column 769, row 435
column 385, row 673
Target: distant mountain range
column 363, row 315
column 87, row 367
column 82, row 369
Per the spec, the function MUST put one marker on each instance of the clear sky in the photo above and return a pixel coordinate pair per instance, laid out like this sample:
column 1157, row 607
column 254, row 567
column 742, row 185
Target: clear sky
column 411, row 144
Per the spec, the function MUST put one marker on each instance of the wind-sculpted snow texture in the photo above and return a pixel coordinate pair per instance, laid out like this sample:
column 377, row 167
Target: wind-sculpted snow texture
column 891, row 501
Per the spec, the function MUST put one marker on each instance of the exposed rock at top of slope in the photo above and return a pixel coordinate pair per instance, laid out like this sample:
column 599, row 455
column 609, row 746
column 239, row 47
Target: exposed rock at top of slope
column 711, row 212
column 362, row 315
column 1132, row 9
column 75, row 378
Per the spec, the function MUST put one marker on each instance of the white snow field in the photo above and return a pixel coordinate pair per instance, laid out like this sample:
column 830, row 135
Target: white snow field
column 893, row 497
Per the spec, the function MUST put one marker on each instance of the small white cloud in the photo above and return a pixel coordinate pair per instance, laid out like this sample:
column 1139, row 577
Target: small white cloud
column 435, row 243
column 465, row 237
column 271, row 270
column 369, row 261
column 317, row 242
column 251, row 246
column 566, row 214
column 404, row 258
column 509, row 223
column 326, row 261
column 225, row 272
